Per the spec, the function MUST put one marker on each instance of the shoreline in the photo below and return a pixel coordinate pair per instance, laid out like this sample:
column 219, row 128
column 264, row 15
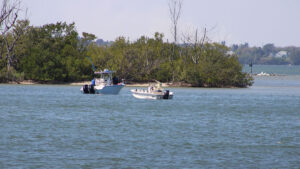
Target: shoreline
column 143, row 84
column 133, row 84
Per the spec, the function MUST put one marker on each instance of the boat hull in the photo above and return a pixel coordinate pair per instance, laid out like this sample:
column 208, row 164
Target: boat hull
column 151, row 96
column 111, row 89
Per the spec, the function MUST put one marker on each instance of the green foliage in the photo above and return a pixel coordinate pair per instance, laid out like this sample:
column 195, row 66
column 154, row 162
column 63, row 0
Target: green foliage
column 54, row 52
column 295, row 56
column 11, row 75
column 148, row 58
column 217, row 69
column 268, row 54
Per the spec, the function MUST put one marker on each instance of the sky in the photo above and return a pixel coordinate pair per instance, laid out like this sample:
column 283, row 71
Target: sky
column 257, row 22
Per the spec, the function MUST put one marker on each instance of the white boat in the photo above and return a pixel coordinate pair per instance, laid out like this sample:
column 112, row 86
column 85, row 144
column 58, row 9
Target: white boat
column 106, row 84
column 152, row 92
column 263, row 74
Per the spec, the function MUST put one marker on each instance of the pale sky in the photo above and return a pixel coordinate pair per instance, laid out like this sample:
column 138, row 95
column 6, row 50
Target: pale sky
column 257, row 22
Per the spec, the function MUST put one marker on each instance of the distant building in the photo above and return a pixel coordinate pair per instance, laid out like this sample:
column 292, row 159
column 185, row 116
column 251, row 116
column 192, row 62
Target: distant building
column 281, row 54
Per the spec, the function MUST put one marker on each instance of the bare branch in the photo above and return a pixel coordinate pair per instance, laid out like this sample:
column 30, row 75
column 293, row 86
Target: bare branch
column 198, row 46
column 10, row 30
column 8, row 10
column 175, row 12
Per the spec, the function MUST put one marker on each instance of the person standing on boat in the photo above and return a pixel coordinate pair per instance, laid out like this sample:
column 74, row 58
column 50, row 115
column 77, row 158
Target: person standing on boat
column 93, row 82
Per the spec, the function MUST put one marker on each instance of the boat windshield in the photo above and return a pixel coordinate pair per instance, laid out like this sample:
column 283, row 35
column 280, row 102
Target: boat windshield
column 106, row 76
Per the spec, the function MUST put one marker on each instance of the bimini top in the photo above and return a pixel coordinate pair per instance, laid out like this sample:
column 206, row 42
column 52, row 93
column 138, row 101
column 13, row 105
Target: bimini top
column 105, row 71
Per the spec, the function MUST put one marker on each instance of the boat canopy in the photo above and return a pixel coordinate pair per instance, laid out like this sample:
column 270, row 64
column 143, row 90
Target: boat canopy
column 105, row 71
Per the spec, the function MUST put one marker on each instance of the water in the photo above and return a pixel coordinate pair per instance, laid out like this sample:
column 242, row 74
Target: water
column 274, row 69
column 55, row 126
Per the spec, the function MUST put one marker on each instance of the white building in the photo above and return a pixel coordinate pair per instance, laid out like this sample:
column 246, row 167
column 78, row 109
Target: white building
column 281, row 54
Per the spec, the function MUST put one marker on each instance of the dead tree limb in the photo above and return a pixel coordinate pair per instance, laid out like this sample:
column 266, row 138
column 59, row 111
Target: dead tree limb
column 8, row 17
column 198, row 46
column 175, row 12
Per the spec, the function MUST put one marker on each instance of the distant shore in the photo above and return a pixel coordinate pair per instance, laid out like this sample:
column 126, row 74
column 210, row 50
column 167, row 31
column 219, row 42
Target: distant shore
column 145, row 84
column 131, row 84
column 134, row 84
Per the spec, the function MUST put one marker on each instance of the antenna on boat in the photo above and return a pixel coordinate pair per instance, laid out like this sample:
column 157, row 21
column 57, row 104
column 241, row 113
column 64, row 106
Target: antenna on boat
column 91, row 63
column 251, row 65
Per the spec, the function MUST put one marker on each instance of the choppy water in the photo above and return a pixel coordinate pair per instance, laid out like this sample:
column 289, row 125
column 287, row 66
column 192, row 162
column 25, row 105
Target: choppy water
column 53, row 126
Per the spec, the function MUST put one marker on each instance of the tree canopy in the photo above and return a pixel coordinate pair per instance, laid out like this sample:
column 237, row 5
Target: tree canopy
column 57, row 53
column 268, row 54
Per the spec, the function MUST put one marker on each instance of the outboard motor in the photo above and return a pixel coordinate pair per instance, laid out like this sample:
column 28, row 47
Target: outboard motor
column 91, row 89
column 85, row 89
column 166, row 95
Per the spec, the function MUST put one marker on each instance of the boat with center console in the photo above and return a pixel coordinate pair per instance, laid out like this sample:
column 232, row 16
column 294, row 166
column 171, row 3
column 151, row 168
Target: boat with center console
column 106, row 84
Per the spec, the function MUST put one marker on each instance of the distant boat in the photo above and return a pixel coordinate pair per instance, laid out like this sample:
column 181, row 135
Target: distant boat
column 155, row 92
column 106, row 84
column 263, row 74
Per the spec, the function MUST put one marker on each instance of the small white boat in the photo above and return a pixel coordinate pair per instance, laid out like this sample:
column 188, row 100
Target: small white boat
column 152, row 92
column 263, row 74
column 106, row 84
